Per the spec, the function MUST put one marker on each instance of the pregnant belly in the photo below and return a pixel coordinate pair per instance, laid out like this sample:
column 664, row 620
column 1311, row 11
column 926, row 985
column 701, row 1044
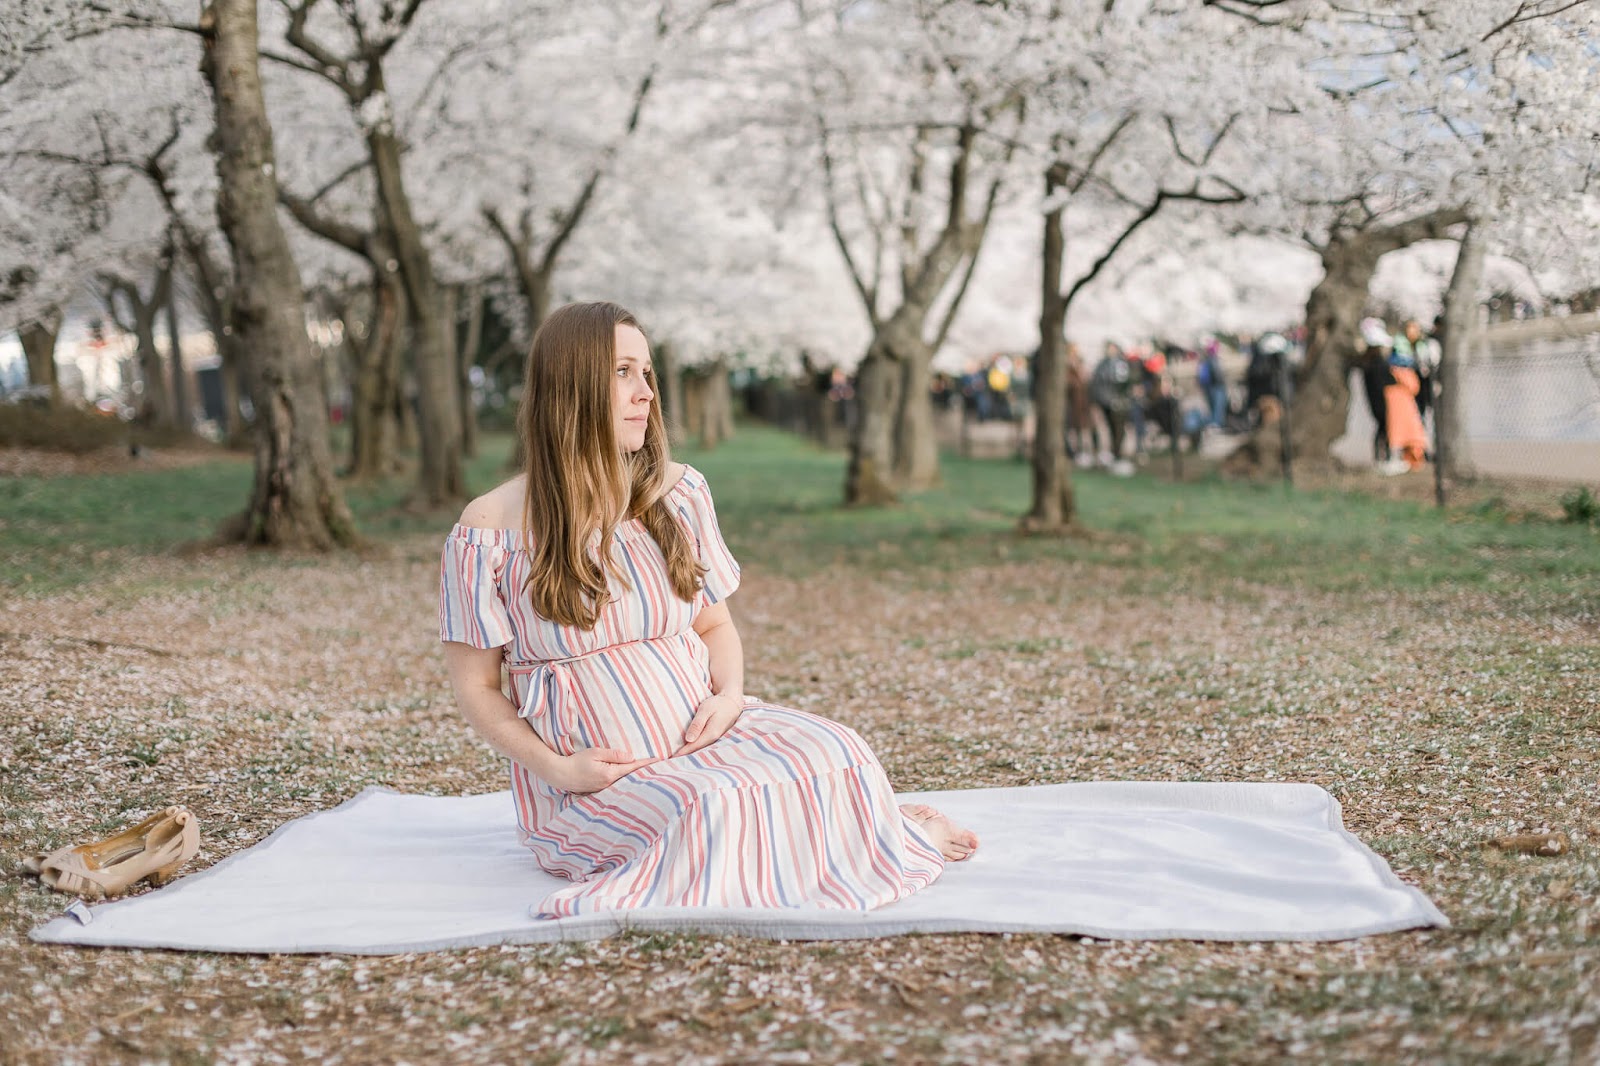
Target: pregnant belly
column 639, row 697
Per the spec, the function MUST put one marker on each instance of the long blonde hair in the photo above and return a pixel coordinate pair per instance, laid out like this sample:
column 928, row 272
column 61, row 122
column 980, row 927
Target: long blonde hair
column 580, row 484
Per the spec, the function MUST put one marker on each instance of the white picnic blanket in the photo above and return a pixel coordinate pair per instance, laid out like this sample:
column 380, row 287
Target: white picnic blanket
column 387, row 872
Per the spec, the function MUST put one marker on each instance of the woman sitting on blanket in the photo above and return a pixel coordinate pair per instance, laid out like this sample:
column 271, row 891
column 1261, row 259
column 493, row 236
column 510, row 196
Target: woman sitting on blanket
column 639, row 769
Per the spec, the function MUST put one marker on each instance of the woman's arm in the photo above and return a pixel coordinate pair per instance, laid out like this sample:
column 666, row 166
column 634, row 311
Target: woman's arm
column 717, row 713
column 475, row 676
column 721, row 637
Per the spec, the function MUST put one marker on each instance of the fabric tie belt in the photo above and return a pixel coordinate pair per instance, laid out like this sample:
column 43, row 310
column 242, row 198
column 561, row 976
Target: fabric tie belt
column 549, row 680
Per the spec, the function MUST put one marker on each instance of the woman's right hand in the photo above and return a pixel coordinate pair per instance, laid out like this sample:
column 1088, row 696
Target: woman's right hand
column 594, row 769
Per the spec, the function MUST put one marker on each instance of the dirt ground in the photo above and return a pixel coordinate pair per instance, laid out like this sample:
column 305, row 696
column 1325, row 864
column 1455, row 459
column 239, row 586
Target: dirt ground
column 40, row 462
column 257, row 689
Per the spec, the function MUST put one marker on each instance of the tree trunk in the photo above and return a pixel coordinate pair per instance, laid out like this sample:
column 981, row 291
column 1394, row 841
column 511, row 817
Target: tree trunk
column 722, row 407
column 213, row 294
column 916, row 448
column 1333, row 319
column 375, row 385
column 295, row 500
column 708, row 404
column 1460, row 336
column 155, row 402
column 405, row 402
column 39, row 348
column 235, row 392
column 535, row 286
column 670, row 383
column 182, row 404
column 234, row 374
column 471, row 339
column 441, row 481
column 868, row 477
column 892, row 436
column 154, row 406
column 539, row 301
column 903, row 428
column 1053, row 502
column 693, row 401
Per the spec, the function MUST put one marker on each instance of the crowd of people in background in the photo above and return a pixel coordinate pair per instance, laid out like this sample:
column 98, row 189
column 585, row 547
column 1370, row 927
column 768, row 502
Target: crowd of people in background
column 1154, row 394
column 1132, row 398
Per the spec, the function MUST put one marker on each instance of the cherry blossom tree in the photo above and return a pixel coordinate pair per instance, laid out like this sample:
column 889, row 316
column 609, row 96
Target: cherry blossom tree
column 71, row 119
column 1119, row 153
column 349, row 46
column 819, row 176
column 295, row 500
column 1412, row 124
column 914, row 121
column 50, row 216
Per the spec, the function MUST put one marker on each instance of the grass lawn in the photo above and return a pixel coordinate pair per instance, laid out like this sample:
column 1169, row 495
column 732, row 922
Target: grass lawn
column 1439, row 673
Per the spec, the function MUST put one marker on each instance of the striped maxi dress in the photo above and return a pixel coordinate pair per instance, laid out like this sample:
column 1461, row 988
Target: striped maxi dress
column 788, row 809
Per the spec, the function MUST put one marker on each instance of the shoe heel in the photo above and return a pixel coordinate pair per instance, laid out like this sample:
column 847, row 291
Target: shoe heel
column 163, row 875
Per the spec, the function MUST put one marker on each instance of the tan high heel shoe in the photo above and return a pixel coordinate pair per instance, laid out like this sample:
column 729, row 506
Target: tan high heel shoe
column 153, row 850
column 36, row 862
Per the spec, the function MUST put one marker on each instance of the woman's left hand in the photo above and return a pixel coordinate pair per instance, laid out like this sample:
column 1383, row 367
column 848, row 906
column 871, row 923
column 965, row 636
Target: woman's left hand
column 714, row 717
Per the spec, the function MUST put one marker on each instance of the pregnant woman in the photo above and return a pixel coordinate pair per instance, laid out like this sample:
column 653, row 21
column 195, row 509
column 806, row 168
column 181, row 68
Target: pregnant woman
column 639, row 769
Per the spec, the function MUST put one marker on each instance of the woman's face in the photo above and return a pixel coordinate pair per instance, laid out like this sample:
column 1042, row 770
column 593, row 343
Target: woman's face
column 632, row 388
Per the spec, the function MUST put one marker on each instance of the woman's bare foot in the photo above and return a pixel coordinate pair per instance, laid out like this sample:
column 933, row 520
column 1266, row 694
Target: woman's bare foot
column 953, row 842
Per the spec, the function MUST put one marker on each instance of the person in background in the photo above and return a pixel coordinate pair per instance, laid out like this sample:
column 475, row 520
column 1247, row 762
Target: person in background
column 1375, row 378
column 1213, row 383
column 1162, row 407
column 1082, row 439
column 999, row 382
column 974, row 393
column 1426, row 351
column 1264, row 378
column 1144, row 386
column 1159, row 403
column 1111, row 390
column 1408, row 440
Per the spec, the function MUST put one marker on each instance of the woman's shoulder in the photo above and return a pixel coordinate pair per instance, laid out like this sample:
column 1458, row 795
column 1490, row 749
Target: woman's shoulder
column 685, row 483
column 498, row 509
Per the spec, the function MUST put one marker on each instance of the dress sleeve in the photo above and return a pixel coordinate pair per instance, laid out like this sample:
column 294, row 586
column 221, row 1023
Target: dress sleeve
column 722, row 569
column 471, row 607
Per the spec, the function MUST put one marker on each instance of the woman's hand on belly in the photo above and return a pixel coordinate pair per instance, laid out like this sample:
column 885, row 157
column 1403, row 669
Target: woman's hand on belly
column 713, row 718
column 593, row 769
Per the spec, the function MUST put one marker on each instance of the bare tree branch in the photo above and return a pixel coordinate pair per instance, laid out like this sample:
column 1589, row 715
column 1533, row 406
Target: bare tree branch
column 1249, row 9
column 574, row 214
column 325, row 62
column 1101, row 150
column 869, row 296
column 955, row 302
column 329, row 229
column 1151, row 209
column 339, row 179
column 1518, row 16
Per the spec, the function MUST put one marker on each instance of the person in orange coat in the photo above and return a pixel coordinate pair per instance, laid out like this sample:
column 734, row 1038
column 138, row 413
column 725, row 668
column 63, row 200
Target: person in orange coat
column 1408, row 440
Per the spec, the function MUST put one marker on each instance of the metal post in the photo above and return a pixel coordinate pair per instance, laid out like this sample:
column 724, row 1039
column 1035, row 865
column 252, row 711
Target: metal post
column 1437, row 377
column 1176, row 410
column 1285, row 447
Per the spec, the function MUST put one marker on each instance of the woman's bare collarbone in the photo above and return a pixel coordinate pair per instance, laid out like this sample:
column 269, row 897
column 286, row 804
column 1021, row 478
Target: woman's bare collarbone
column 502, row 506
